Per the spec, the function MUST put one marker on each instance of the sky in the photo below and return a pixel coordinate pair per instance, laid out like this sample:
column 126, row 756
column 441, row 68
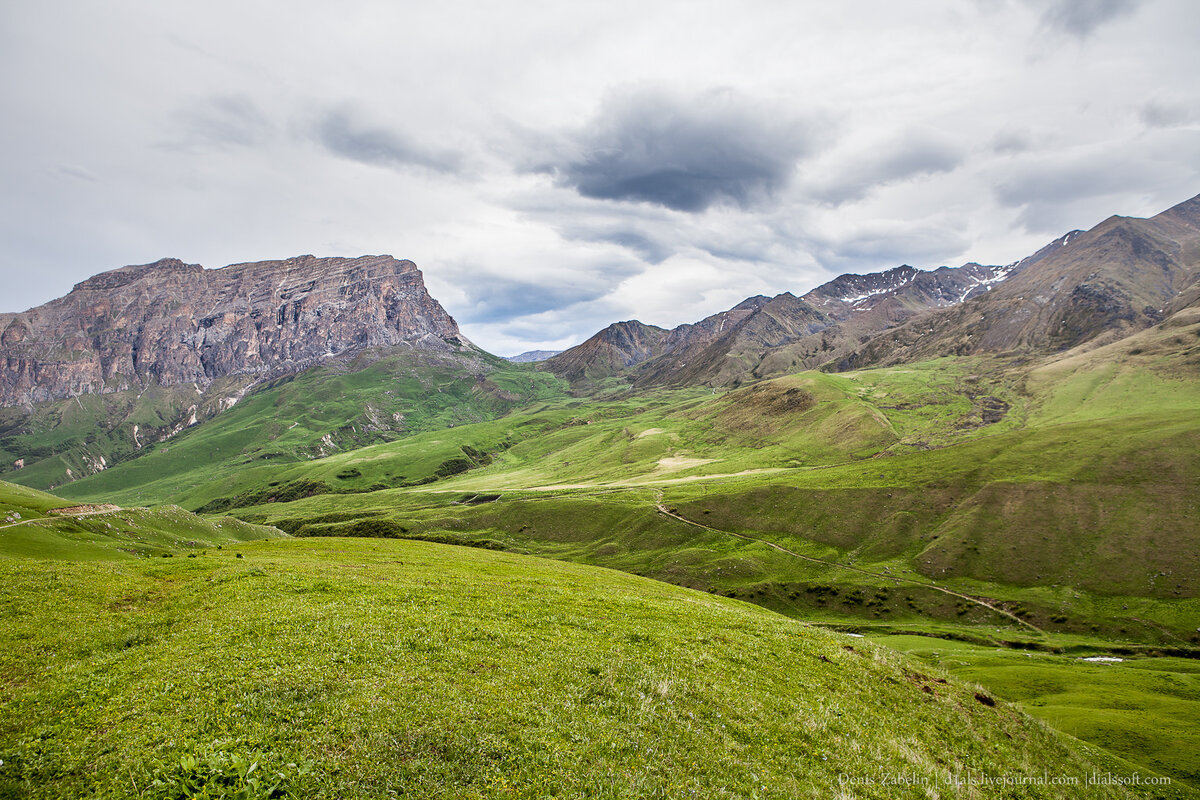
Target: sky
column 554, row 167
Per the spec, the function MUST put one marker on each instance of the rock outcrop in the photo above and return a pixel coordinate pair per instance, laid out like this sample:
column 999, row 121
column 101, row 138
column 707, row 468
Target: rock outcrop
column 173, row 323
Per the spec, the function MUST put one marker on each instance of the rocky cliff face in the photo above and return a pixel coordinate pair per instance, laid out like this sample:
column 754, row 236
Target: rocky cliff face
column 170, row 323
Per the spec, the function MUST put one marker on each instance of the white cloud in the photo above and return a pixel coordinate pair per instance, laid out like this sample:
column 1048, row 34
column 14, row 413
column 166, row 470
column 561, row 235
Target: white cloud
column 791, row 141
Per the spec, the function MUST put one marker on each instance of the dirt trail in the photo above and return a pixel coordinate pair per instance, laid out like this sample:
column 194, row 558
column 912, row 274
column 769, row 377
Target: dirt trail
column 63, row 513
column 662, row 509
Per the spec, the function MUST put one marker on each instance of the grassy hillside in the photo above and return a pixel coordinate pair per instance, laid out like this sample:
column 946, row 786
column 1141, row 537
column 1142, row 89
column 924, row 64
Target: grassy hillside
column 354, row 668
column 34, row 525
column 805, row 420
column 1144, row 710
column 1067, row 492
column 328, row 409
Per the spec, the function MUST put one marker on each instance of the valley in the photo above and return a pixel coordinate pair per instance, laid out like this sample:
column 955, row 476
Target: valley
column 918, row 523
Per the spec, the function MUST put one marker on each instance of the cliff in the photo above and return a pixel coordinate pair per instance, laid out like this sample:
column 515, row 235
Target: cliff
column 173, row 323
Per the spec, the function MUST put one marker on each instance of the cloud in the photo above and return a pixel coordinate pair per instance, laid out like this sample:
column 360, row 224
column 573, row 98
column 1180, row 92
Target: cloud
column 884, row 244
column 1082, row 17
column 220, row 121
column 1057, row 191
column 497, row 299
column 77, row 172
column 1163, row 114
column 1009, row 141
column 344, row 132
column 685, row 153
column 912, row 154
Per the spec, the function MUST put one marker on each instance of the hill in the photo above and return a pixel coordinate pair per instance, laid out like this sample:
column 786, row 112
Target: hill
column 356, row 668
column 356, row 399
column 38, row 525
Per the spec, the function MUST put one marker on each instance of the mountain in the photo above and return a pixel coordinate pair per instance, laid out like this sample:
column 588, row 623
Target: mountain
column 1085, row 287
column 316, row 354
column 530, row 356
column 171, row 323
column 764, row 336
column 609, row 352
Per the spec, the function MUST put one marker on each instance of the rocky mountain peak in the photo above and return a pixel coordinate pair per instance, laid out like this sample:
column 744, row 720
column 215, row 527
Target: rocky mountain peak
column 169, row 322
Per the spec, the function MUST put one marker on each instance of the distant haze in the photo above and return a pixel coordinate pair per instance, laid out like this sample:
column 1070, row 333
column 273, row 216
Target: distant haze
column 553, row 167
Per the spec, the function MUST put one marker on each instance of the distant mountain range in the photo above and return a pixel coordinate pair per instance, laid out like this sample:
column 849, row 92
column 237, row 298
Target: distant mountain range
column 530, row 356
column 1098, row 285
column 169, row 323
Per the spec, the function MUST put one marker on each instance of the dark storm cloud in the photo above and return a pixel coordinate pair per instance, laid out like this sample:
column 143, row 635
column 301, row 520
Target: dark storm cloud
column 345, row 133
column 685, row 153
column 1082, row 17
column 912, row 155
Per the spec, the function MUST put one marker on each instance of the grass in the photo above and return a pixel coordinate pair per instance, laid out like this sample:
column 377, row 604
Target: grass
column 35, row 532
column 1064, row 492
column 357, row 668
column 1144, row 710
column 329, row 409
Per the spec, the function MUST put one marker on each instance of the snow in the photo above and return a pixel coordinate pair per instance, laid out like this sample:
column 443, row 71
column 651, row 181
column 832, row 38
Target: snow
column 1000, row 274
column 859, row 298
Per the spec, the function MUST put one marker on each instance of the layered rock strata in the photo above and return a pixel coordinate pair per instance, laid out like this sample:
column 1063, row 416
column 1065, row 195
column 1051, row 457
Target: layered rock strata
column 175, row 323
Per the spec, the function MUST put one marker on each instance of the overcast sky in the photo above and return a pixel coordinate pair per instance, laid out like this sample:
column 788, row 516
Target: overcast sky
column 556, row 166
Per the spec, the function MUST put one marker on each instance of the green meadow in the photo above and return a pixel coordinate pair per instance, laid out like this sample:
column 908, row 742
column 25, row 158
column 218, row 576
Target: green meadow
column 998, row 519
column 362, row 668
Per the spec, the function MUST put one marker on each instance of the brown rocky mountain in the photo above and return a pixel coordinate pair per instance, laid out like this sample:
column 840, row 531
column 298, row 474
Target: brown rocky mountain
column 1086, row 287
column 609, row 352
column 764, row 336
column 170, row 323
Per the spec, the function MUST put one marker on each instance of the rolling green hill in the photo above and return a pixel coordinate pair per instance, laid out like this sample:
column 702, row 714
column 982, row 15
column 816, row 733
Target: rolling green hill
column 34, row 524
column 1001, row 514
column 353, row 668
column 372, row 397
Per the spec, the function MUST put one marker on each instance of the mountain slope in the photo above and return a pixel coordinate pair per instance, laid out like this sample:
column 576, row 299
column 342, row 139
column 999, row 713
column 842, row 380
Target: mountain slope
column 132, row 358
column 608, row 352
column 762, row 337
column 1093, row 286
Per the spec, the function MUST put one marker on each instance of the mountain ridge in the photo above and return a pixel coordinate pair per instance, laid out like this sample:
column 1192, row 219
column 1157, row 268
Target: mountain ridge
column 763, row 336
column 1091, row 286
column 171, row 323
column 1120, row 276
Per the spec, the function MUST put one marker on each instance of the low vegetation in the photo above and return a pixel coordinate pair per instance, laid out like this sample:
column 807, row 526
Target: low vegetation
column 365, row 668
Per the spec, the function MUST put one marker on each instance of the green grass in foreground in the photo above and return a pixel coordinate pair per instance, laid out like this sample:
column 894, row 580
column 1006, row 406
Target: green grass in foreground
column 351, row 668
column 1144, row 710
